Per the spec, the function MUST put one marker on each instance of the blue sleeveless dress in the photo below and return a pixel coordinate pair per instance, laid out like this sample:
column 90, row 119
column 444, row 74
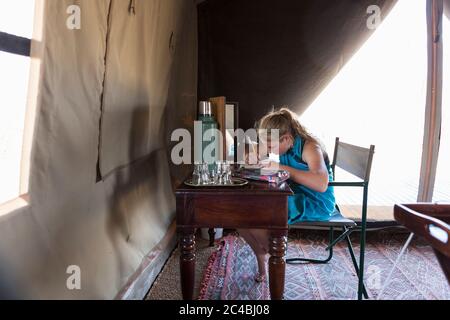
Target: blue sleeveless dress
column 306, row 204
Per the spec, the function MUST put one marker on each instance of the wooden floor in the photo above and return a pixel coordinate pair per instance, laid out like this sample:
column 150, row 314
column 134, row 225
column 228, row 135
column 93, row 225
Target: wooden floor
column 374, row 213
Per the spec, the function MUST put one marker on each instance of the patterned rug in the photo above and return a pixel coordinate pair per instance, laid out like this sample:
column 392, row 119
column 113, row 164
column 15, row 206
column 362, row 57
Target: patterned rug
column 231, row 269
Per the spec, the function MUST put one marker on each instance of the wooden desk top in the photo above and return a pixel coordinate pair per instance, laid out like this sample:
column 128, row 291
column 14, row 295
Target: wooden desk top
column 252, row 188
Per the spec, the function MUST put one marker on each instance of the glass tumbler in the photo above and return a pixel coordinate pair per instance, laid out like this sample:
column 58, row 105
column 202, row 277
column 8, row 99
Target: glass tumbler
column 197, row 174
column 206, row 179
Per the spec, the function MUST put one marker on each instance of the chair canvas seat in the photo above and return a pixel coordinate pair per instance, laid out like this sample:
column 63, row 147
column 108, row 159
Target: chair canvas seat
column 335, row 220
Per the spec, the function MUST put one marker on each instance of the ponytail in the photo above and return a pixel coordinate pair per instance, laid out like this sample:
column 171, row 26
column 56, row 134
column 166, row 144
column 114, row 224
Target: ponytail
column 287, row 122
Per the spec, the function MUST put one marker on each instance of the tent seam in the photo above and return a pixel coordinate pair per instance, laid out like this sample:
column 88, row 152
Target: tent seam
column 102, row 95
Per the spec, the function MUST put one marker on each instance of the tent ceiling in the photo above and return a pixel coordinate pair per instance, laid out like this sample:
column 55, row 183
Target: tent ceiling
column 284, row 53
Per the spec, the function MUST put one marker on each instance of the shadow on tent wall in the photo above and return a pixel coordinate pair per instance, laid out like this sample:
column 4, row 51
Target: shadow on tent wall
column 127, row 205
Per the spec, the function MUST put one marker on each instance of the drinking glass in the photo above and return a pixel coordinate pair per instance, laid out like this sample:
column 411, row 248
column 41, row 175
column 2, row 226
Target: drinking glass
column 197, row 174
column 226, row 169
column 205, row 174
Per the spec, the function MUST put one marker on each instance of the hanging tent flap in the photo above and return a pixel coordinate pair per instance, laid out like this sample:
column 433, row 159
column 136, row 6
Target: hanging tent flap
column 138, row 69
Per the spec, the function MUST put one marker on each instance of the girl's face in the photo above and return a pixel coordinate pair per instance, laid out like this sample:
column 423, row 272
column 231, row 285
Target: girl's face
column 280, row 147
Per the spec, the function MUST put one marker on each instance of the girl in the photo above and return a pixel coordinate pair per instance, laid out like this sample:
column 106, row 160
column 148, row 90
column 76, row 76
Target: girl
column 308, row 164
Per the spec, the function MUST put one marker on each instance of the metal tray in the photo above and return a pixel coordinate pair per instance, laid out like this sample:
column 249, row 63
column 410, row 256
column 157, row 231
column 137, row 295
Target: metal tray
column 237, row 182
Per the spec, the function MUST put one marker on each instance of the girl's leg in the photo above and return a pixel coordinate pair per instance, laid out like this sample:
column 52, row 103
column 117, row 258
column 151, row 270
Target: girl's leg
column 262, row 237
column 253, row 239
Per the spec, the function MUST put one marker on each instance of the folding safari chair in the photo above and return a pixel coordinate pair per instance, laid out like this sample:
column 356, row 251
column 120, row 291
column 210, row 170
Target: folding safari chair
column 357, row 161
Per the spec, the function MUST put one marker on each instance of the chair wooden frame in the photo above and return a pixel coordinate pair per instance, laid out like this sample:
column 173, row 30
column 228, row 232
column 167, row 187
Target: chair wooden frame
column 357, row 161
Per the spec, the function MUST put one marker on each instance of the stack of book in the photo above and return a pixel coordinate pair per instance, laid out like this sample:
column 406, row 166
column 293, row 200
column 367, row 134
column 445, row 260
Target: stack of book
column 256, row 172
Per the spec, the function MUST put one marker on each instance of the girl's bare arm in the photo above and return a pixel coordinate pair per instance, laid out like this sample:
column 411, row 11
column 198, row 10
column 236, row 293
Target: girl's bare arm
column 317, row 176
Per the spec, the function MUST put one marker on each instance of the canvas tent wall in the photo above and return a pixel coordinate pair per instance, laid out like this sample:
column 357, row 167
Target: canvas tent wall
column 100, row 192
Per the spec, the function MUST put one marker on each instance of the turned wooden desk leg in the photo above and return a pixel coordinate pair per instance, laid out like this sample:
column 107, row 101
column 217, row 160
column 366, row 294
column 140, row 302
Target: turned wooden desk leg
column 187, row 263
column 277, row 265
column 212, row 235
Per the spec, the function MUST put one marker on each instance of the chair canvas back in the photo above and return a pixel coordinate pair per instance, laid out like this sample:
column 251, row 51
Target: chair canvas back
column 353, row 159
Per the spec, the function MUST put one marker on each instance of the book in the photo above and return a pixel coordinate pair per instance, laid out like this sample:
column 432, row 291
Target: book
column 270, row 175
column 261, row 170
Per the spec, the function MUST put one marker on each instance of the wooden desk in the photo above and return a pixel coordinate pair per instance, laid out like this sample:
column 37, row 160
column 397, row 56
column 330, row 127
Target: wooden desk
column 258, row 205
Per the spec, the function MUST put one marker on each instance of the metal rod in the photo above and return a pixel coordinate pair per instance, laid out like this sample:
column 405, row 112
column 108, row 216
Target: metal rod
column 388, row 279
column 342, row 236
column 362, row 244
column 355, row 264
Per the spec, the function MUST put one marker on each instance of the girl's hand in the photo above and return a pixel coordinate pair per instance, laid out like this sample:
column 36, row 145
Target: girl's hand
column 251, row 158
column 270, row 164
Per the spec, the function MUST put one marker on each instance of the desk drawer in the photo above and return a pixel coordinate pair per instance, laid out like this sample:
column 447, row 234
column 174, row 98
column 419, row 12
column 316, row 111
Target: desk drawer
column 246, row 211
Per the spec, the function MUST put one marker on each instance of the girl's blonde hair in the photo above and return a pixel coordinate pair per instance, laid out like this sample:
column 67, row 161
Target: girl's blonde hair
column 286, row 122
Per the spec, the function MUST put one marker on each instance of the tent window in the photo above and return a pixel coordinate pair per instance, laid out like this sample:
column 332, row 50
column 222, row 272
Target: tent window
column 16, row 24
column 442, row 184
column 379, row 98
